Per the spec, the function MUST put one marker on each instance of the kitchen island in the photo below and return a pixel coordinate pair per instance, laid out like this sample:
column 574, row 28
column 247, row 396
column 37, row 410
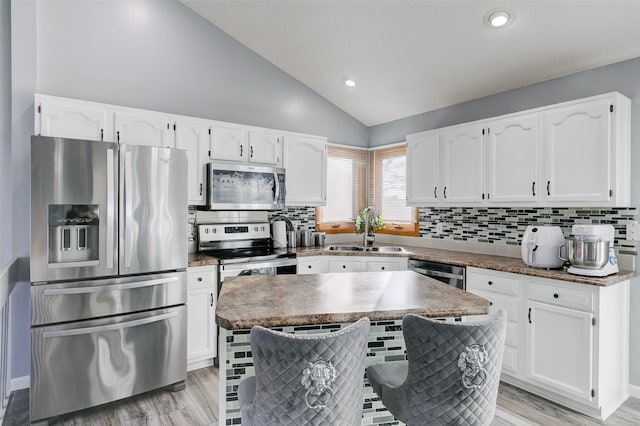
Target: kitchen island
column 307, row 304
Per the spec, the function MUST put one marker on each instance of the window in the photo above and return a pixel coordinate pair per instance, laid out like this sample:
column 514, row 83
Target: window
column 388, row 190
column 346, row 189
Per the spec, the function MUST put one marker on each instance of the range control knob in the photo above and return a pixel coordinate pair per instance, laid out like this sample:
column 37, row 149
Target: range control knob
column 262, row 228
column 206, row 230
column 255, row 228
column 214, row 230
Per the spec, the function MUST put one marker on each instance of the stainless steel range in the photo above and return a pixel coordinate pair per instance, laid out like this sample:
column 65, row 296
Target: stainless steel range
column 244, row 249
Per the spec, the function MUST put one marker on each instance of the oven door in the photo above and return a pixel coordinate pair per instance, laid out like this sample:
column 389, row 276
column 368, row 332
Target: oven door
column 269, row 267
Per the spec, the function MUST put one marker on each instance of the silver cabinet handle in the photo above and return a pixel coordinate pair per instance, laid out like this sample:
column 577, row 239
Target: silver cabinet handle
column 111, row 194
column 108, row 287
column 110, row 327
column 276, row 188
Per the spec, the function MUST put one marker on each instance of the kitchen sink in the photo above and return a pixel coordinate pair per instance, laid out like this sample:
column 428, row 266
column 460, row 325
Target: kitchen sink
column 344, row 248
column 383, row 249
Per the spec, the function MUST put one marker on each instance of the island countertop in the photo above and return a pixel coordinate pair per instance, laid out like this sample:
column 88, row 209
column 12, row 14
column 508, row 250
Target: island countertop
column 286, row 300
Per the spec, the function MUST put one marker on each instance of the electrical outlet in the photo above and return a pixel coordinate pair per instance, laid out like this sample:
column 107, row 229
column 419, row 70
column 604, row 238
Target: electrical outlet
column 440, row 227
column 633, row 231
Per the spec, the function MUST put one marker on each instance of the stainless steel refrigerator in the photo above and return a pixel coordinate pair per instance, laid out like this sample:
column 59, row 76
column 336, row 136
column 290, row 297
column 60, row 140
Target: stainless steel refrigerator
column 108, row 272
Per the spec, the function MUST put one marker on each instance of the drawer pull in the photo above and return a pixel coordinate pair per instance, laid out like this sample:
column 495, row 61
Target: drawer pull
column 490, row 303
column 199, row 278
column 556, row 295
column 309, row 266
column 383, row 268
column 344, row 266
column 490, row 283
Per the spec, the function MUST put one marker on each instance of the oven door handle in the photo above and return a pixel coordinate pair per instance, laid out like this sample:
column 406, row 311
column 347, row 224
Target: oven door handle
column 436, row 273
column 260, row 265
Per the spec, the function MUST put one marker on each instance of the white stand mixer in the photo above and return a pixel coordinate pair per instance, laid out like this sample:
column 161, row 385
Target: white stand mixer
column 585, row 241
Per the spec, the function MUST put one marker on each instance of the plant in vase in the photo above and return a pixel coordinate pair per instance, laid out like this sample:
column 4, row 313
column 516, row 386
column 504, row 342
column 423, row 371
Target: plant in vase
column 358, row 222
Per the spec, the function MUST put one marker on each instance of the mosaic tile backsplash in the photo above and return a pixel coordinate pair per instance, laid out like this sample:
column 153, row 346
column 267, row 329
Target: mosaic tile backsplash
column 305, row 217
column 507, row 225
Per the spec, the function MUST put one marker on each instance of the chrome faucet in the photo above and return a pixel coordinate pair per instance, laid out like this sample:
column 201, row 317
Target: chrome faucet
column 368, row 239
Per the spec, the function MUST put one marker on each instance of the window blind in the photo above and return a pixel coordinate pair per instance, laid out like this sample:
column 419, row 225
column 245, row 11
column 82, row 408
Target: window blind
column 346, row 189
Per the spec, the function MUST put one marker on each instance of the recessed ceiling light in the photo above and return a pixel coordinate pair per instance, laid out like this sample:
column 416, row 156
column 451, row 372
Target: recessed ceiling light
column 351, row 82
column 499, row 18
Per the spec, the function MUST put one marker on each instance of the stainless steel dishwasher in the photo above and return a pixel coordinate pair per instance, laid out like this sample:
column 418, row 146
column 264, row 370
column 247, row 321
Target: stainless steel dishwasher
column 448, row 274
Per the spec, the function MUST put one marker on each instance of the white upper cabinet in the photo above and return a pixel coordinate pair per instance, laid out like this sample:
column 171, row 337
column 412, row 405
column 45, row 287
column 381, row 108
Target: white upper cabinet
column 192, row 135
column 144, row 128
column 423, row 170
column 571, row 154
column 462, row 164
column 229, row 144
column 265, row 148
column 69, row 118
column 579, row 144
column 512, row 160
column 305, row 161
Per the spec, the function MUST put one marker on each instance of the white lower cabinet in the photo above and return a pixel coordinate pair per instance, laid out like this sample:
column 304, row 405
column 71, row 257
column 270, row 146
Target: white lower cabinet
column 202, row 294
column 567, row 342
column 321, row 264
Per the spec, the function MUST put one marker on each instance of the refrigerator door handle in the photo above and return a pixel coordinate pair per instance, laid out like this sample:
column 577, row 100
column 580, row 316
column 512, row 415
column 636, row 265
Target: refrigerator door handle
column 111, row 217
column 110, row 327
column 109, row 287
column 128, row 209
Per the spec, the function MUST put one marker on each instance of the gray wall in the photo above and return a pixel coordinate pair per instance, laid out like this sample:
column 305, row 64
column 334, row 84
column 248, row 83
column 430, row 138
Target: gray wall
column 23, row 85
column 623, row 77
column 5, row 134
column 163, row 56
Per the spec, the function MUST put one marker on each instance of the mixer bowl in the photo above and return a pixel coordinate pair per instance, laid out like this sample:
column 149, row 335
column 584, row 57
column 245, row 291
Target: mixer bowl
column 587, row 253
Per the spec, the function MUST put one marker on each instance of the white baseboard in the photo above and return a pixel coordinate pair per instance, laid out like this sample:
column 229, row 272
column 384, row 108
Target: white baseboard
column 20, row 383
column 634, row 391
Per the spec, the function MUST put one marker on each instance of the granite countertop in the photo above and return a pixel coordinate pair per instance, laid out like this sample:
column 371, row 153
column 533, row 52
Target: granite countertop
column 287, row 300
column 497, row 263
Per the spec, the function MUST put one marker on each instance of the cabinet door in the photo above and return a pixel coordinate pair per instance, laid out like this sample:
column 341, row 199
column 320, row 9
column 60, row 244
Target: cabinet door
column 193, row 136
column 265, row 148
column 144, row 128
column 463, row 157
column 73, row 119
column 423, row 170
column 512, row 160
column 201, row 327
column 305, row 160
column 560, row 348
column 577, row 152
column 228, row 144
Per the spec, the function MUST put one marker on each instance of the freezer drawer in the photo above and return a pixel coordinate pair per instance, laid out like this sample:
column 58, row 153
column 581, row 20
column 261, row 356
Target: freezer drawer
column 78, row 300
column 83, row 364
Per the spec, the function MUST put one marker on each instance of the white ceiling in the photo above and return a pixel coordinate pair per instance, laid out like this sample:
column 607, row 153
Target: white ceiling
column 411, row 57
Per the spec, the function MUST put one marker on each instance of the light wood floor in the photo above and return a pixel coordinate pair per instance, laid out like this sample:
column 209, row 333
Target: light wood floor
column 198, row 405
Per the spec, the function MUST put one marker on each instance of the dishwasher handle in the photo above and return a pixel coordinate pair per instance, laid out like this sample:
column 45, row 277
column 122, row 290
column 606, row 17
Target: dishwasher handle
column 438, row 274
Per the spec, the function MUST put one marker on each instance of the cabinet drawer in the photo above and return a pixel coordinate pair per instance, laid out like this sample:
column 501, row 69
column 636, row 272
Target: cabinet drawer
column 510, row 360
column 498, row 301
column 311, row 267
column 492, row 283
column 207, row 277
column 345, row 266
column 383, row 266
column 560, row 296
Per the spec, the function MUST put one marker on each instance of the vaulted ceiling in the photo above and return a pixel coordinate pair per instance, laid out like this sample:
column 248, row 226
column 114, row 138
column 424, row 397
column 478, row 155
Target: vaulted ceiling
column 411, row 57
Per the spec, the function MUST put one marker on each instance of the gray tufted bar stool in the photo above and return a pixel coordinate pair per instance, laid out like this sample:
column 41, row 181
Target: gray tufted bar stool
column 314, row 379
column 452, row 373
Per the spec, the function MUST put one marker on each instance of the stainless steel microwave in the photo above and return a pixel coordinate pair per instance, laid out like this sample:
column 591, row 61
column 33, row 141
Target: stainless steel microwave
column 245, row 187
